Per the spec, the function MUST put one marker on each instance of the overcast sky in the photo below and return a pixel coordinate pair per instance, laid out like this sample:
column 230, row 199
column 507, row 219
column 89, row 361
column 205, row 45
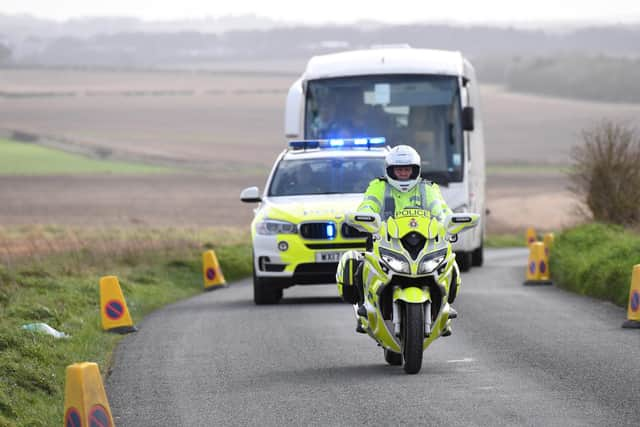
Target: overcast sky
column 341, row 11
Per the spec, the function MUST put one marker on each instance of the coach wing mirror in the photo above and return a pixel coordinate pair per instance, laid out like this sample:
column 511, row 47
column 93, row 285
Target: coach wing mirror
column 467, row 118
column 250, row 195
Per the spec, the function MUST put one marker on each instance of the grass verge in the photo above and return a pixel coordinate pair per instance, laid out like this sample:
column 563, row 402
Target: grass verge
column 61, row 289
column 596, row 260
column 512, row 240
column 29, row 159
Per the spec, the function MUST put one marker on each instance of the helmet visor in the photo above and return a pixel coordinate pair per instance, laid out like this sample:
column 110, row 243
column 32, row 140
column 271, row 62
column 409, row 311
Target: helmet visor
column 403, row 172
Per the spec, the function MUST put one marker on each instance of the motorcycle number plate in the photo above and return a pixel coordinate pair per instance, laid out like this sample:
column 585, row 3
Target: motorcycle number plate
column 328, row 256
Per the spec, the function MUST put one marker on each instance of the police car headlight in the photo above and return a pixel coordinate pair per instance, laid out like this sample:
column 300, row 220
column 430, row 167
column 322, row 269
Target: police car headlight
column 270, row 227
column 432, row 261
column 396, row 262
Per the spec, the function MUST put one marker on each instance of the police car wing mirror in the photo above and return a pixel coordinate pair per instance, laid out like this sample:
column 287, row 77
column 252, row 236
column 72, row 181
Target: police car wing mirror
column 250, row 195
column 458, row 222
column 364, row 221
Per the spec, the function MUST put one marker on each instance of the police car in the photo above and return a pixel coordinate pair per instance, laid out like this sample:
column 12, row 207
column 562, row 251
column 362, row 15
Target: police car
column 298, row 232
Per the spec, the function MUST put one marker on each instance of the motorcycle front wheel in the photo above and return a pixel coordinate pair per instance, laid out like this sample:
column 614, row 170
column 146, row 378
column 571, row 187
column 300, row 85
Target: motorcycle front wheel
column 412, row 335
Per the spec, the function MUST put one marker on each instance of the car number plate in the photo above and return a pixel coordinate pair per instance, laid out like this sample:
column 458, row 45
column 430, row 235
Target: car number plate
column 328, row 256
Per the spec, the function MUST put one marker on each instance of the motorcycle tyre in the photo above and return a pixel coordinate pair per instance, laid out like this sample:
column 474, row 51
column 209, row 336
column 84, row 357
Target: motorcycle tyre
column 412, row 335
column 392, row 358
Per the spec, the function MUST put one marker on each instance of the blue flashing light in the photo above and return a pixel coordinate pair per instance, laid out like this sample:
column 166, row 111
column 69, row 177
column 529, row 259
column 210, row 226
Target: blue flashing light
column 331, row 231
column 338, row 143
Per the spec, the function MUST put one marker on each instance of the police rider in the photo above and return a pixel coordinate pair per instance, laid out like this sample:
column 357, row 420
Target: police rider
column 401, row 188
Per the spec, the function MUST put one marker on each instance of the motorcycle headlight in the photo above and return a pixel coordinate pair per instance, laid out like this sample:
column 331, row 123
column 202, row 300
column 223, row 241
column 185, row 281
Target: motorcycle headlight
column 432, row 261
column 396, row 262
column 272, row 226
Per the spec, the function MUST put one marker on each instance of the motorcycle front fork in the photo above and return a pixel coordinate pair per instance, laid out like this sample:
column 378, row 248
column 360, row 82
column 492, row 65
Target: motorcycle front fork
column 427, row 318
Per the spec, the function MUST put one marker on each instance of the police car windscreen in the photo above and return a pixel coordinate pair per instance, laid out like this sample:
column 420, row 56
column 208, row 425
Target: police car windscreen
column 423, row 111
column 325, row 176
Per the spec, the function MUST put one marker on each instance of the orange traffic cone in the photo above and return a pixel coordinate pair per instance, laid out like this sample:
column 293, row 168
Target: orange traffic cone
column 530, row 236
column 113, row 308
column 85, row 401
column 538, row 266
column 633, row 311
column 211, row 271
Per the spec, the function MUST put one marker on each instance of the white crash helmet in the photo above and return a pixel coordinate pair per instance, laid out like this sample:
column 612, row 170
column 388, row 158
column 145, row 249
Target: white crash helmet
column 402, row 155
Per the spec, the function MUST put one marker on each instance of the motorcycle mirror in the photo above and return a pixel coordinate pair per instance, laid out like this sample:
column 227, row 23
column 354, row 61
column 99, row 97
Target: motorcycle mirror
column 458, row 222
column 364, row 221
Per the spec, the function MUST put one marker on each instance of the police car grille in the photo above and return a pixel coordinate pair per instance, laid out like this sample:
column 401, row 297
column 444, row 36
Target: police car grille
column 317, row 230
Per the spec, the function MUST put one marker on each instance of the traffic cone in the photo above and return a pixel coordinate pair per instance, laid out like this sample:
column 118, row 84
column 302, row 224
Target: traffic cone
column 113, row 308
column 548, row 243
column 85, row 401
column 211, row 271
column 537, row 266
column 531, row 236
column 633, row 312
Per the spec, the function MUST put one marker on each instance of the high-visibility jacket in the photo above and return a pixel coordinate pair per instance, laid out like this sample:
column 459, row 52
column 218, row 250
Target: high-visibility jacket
column 384, row 199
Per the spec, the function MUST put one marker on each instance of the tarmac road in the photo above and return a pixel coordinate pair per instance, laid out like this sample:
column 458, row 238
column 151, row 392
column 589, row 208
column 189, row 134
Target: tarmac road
column 535, row 356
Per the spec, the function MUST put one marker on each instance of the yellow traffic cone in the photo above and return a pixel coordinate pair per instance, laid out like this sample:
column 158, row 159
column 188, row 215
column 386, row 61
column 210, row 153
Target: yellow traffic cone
column 537, row 266
column 548, row 243
column 211, row 271
column 633, row 312
column 531, row 236
column 113, row 308
column 85, row 401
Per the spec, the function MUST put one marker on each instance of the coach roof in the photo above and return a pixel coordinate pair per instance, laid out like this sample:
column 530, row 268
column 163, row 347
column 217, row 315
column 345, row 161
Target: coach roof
column 385, row 61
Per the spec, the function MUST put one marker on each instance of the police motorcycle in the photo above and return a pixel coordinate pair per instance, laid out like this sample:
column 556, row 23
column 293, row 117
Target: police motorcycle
column 406, row 278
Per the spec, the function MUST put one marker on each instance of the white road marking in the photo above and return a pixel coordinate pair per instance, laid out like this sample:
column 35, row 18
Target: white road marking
column 465, row 360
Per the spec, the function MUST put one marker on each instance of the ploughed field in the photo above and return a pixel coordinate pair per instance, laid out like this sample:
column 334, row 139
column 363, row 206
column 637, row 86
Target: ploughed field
column 221, row 131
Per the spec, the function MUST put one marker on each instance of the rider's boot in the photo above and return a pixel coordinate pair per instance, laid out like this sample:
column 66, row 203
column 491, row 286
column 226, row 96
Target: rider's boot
column 453, row 313
column 361, row 311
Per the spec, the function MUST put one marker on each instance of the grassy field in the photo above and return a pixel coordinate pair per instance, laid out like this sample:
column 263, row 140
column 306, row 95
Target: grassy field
column 215, row 118
column 60, row 288
column 29, row 159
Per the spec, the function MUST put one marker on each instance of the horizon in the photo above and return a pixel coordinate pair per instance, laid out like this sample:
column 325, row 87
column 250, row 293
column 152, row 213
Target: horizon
column 494, row 13
column 551, row 24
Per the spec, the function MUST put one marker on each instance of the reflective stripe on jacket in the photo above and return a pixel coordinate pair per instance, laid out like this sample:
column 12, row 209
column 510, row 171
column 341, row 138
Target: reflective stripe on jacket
column 382, row 198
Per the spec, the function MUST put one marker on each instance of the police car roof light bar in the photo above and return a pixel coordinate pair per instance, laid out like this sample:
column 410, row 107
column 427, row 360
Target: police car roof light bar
column 338, row 143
